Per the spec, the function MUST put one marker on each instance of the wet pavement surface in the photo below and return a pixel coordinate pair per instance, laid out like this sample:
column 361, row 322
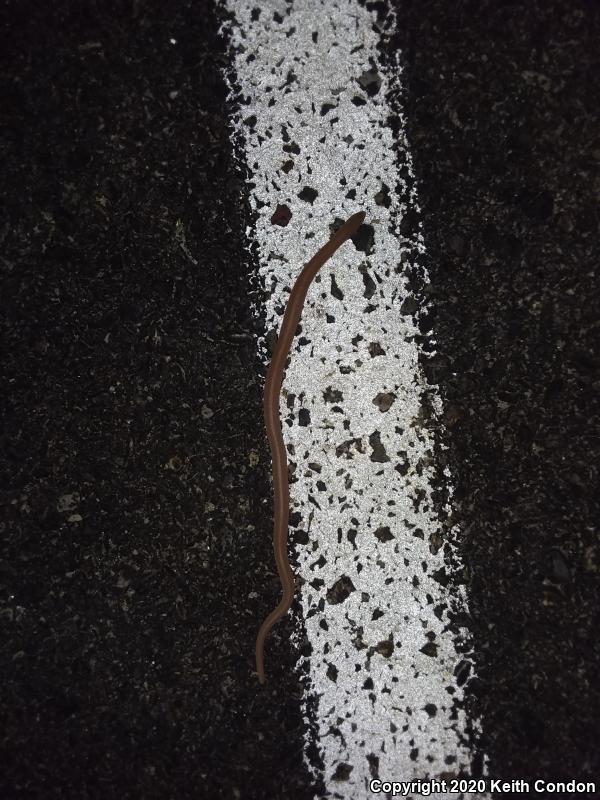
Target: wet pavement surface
column 135, row 491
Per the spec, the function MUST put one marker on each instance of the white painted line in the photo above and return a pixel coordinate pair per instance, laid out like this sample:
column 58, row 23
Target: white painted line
column 382, row 662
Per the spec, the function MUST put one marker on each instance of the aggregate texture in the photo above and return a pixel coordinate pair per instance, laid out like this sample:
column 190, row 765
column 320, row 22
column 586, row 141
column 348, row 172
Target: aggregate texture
column 135, row 510
column 501, row 102
column 380, row 662
column 134, row 470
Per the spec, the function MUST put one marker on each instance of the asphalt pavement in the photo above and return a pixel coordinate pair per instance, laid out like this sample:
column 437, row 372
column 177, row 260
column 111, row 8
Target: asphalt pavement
column 136, row 560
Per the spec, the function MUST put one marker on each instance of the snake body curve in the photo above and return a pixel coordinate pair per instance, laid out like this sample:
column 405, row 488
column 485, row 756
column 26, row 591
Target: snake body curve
column 273, row 382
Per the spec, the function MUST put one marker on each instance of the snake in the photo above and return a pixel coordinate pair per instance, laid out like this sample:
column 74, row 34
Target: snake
column 273, row 383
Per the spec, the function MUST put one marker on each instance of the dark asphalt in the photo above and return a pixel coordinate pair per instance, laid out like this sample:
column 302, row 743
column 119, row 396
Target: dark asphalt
column 136, row 527
column 135, row 558
column 502, row 110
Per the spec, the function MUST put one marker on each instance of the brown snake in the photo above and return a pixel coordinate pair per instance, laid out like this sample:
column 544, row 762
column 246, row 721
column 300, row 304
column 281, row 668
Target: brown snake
column 273, row 383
